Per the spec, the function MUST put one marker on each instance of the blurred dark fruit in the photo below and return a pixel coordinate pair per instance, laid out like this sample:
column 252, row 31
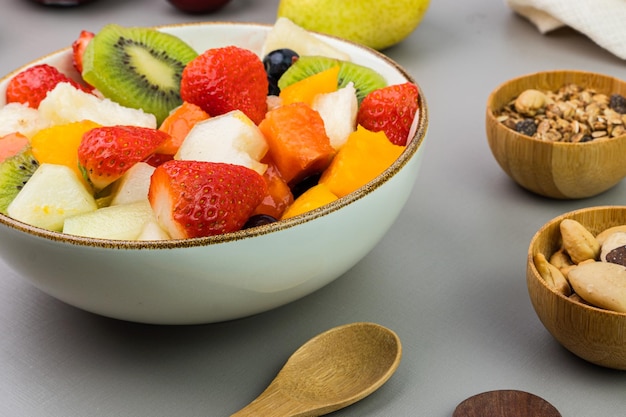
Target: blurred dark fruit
column 198, row 6
column 61, row 2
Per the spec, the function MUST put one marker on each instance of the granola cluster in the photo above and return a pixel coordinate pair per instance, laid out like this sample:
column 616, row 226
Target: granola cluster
column 570, row 114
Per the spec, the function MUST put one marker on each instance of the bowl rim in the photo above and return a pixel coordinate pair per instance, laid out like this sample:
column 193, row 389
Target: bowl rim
column 501, row 127
column 408, row 153
column 537, row 276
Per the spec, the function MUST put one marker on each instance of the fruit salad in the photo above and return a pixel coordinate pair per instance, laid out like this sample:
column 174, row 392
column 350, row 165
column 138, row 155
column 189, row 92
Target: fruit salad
column 156, row 140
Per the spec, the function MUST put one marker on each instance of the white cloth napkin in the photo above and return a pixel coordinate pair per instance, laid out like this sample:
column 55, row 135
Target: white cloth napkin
column 602, row 21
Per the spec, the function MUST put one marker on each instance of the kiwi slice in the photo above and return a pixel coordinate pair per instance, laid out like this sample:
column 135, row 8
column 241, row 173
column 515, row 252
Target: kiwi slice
column 14, row 172
column 365, row 79
column 137, row 67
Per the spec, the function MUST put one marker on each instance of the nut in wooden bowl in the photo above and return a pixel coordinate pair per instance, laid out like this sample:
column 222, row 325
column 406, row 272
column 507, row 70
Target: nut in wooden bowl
column 595, row 334
column 560, row 134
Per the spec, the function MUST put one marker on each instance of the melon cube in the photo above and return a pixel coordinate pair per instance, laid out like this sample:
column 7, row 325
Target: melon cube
column 124, row 222
column 50, row 196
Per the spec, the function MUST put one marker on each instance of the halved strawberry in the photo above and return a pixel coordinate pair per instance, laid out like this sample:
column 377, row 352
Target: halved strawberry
column 33, row 84
column 106, row 153
column 78, row 48
column 196, row 198
column 224, row 79
column 390, row 109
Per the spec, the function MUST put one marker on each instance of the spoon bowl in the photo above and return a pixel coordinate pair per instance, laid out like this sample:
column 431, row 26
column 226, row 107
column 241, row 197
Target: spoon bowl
column 331, row 371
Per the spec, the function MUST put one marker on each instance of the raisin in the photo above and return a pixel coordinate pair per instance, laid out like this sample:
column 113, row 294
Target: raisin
column 586, row 138
column 526, row 127
column 617, row 256
column 618, row 103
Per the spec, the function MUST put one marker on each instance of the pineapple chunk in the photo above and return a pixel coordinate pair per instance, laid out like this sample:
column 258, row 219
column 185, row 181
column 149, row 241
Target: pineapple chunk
column 50, row 196
column 123, row 222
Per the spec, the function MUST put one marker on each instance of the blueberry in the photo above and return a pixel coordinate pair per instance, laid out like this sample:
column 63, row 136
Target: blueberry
column 526, row 127
column 259, row 220
column 618, row 103
column 276, row 63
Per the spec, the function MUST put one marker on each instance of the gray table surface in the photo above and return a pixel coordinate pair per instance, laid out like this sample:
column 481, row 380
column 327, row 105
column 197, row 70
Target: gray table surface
column 449, row 277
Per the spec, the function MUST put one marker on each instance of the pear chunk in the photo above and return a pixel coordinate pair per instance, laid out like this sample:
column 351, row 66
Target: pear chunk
column 230, row 138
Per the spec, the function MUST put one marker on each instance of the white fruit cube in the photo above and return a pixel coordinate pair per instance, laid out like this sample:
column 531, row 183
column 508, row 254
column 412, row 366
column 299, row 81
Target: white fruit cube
column 50, row 196
column 339, row 111
column 133, row 186
column 153, row 231
column 231, row 138
column 18, row 117
column 66, row 104
column 124, row 222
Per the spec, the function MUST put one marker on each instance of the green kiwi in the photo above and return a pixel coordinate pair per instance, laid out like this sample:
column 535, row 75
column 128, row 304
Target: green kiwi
column 14, row 172
column 137, row 67
column 365, row 79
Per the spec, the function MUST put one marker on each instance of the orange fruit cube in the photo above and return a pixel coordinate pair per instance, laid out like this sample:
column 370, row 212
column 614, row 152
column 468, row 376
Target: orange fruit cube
column 178, row 124
column 297, row 141
column 315, row 197
column 306, row 89
column 59, row 144
column 278, row 196
column 363, row 157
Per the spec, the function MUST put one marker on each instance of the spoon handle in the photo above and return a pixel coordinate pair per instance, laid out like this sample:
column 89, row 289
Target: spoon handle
column 274, row 403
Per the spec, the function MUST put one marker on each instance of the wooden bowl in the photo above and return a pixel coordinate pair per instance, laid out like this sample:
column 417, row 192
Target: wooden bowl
column 594, row 334
column 556, row 169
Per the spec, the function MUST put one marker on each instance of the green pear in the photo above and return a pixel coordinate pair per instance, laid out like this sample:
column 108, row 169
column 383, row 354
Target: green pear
column 378, row 24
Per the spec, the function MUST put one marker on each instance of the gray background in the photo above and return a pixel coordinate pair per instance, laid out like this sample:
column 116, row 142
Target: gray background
column 449, row 277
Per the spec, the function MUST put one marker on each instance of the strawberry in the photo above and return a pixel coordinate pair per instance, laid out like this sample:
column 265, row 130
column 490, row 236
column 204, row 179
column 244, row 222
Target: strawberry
column 197, row 198
column 224, row 79
column 106, row 153
column 78, row 48
column 390, row 109
column 33, row 84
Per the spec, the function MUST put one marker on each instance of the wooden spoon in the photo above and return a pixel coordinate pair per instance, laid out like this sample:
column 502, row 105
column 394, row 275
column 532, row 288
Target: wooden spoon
column 331, row 371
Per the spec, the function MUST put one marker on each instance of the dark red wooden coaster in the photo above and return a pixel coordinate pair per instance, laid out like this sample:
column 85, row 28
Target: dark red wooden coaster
column 505, row 403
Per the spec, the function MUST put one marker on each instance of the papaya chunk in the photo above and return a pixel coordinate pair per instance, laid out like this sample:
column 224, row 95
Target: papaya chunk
column 297, row 141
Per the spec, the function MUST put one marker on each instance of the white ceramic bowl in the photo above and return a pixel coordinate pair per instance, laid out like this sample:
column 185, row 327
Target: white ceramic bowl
column 222, row 277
